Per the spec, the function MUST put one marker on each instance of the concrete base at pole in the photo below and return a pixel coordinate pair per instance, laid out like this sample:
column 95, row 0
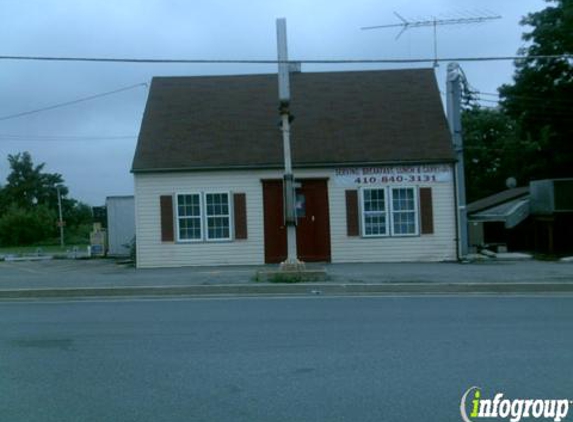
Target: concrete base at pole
column 292, row 265
column 292, row 271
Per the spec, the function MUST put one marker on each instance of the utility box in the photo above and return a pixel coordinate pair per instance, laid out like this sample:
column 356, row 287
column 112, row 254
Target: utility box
column 97, row 240
column 120, row 224
column 551, row 196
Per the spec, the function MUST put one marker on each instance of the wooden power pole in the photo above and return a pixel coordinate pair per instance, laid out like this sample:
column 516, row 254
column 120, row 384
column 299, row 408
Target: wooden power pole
column 292, row 262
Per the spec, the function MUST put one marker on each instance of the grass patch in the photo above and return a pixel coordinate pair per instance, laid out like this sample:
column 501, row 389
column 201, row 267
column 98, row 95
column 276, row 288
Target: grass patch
column 278, row 278
column 289, row 277
column 286, row 277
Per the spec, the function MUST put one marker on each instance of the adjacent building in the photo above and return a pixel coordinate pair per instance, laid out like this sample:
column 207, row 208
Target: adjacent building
column 535, row 218
column 120, row 224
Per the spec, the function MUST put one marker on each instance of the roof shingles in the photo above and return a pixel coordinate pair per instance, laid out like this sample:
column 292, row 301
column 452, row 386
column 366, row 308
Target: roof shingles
column 341, row 118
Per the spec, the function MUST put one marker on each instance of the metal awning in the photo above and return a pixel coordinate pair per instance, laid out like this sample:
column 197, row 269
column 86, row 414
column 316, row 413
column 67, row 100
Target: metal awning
column 510, row 213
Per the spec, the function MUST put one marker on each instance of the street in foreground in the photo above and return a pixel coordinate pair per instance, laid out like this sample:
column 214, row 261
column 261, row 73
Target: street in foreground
column 283, row 359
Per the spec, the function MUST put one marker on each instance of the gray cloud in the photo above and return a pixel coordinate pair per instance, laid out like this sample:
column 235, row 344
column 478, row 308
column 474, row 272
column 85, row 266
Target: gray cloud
column 190, row 29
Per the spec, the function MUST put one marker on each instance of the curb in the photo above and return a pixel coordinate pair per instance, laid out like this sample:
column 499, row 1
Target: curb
column 290, row 289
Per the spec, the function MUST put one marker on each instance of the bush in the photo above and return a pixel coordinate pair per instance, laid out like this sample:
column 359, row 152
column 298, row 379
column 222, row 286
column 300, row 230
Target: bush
column 20, row 227
column 77, row 235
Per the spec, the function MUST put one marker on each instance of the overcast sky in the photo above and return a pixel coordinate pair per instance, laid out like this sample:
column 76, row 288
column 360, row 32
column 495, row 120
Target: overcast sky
column 218, row 29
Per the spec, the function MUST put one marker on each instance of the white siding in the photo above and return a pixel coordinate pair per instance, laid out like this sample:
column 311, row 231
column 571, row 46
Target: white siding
column 439, row 246
column 120, row 224
column 152, row 252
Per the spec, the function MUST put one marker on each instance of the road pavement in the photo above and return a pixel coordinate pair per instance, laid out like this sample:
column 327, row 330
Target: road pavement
column 283, row 359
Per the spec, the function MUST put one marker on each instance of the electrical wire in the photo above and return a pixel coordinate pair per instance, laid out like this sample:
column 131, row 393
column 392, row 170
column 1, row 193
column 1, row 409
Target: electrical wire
column 68, row 103
column 531, row 98
column 558, row 106
column 86, row 137
column 267, row 61
column 61, row 138
column 549, row 110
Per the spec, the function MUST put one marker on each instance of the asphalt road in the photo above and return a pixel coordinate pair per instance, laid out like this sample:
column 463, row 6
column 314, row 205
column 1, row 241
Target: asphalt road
column 285, row 359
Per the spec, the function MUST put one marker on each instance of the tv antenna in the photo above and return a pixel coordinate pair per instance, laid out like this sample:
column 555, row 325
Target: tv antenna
column 435, row 22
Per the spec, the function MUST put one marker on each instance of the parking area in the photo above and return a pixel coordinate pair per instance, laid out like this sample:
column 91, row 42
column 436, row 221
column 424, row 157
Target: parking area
column 107, row 273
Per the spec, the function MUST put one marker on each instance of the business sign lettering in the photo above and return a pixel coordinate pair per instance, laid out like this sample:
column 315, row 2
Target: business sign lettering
column 405, row 175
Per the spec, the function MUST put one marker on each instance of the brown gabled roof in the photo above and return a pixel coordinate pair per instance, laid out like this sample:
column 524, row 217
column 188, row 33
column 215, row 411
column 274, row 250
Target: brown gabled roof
column 341, row 118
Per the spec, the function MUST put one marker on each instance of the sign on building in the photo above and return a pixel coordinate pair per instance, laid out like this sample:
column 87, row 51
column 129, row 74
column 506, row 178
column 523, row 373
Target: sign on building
column 392, row 175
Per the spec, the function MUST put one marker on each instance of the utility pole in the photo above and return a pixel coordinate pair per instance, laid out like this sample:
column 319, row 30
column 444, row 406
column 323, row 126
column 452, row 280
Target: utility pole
column 454, row 105
column 60, row 221
column 292, row 262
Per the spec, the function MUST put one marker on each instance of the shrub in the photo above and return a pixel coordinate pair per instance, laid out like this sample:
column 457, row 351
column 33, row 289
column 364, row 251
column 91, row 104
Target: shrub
column 20, row 227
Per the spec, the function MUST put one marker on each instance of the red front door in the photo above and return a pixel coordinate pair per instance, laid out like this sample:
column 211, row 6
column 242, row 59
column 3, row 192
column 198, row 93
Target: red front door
column 313, row 223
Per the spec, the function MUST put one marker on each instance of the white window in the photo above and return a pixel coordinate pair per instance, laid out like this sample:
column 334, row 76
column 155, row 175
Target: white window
column 218, row 216
column 374, row 214
column 404, row 212
column 203, row 216
column 189, row 220
column 389, row 211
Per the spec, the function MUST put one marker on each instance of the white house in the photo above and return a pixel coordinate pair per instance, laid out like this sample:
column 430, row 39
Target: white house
column 371, row 150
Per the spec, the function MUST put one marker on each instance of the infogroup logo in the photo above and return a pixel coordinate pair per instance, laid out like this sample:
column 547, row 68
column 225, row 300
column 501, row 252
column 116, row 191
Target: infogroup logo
column 513, row 409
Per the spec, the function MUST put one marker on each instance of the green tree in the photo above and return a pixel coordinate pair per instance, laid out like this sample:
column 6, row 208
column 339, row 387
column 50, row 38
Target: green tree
column 19, row 227
column 494, row 151
column 29, row 205
column 487, row 135
column 27, row 186
column 541, row 96
column 76, row 212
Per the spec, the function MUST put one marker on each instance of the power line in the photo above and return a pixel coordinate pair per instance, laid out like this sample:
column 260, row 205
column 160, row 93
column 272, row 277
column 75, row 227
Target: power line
column 535, row 103
column 11, row 135
column 564, row 108
column 530, row 98
column 490, row 94
column 68, row 103
column 536, row 115
column 535, row 111
column 61, row 138
column 305, row 61
column 487, row 101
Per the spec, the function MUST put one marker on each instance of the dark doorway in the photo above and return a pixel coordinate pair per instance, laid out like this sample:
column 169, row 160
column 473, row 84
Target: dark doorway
column 313, row 228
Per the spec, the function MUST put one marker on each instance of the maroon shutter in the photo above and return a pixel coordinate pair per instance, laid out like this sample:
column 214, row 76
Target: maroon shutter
column 240, row 213
column 166, row 205
column 426, row 211
column 352, row 226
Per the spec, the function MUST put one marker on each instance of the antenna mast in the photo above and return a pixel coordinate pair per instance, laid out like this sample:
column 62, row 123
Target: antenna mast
column 435, row 22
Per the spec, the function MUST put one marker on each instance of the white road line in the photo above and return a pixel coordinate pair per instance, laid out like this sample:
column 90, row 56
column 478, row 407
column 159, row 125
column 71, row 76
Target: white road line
column 287, row 297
